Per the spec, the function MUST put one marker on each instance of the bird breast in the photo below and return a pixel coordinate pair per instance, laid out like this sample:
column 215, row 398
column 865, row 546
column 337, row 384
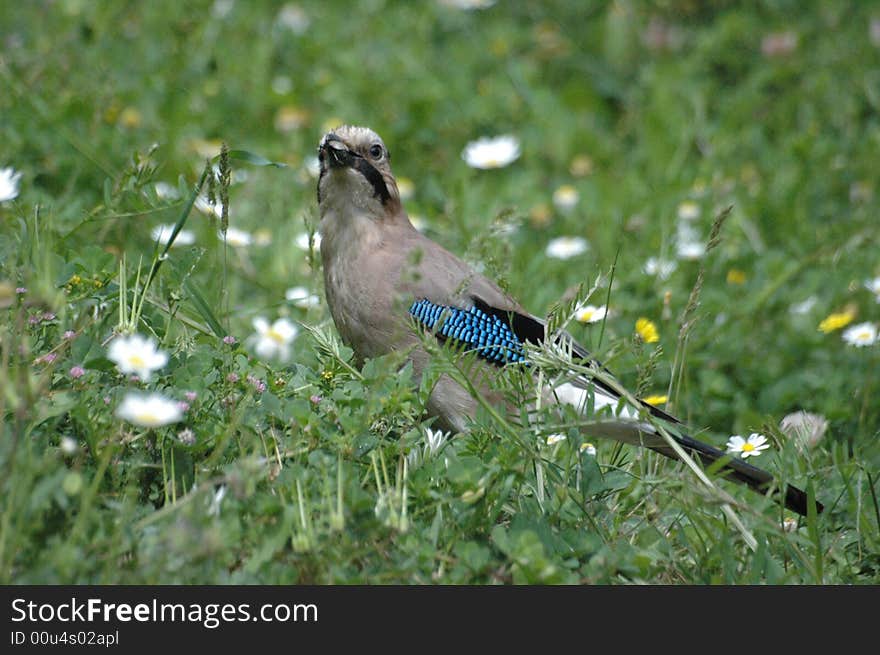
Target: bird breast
column 359, row 276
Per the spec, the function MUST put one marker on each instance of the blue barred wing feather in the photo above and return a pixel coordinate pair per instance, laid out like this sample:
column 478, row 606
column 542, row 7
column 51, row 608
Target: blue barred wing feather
column 497, row 336
column 486, row 334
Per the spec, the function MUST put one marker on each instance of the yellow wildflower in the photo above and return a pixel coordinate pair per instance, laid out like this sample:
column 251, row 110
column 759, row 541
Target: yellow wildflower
column 656, row 400
column 581, row 166
column 647, row 330
column 540, row 215
column 290, row 117
column 130, row 117
column 836, row 321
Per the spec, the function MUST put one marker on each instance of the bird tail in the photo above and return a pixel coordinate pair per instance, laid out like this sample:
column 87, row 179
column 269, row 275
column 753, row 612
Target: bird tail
column 739, row 470
column 640, row 433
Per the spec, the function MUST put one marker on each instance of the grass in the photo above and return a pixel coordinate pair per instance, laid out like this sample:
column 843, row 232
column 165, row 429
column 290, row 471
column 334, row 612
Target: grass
column 325, row 475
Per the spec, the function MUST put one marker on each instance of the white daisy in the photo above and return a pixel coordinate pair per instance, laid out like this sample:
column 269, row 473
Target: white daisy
column 151, row 411
column 302, row 241
column 237, row 238
column 690, row 249
column 207, row 207
column 754, row 445
column 273, row 341
column 874, row 286
column 804, row 306
column 566, row 247
column 687, row 231
column 162, row 233
column 590, row 313
column 263, row 237
column 166, row 191
column 302, row 297
column 662, row 268
column 294, row 18
column 495, row 152
column 860, row 335
column 9, row 184
column 588, row 448
column 136, row 354
column 554, row 439
column 688, row 211
column 565, row 198
column 434, row 440
column 68, row 445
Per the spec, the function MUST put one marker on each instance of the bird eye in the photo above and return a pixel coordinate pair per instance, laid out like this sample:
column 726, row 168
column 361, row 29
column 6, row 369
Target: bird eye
column 376, row 151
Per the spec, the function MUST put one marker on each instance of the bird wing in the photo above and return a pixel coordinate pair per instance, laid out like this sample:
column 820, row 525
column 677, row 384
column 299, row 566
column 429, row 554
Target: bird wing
column 478, row 315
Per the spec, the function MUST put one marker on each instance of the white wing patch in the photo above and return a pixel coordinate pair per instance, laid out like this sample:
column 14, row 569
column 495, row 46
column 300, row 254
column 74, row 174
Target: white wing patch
column 580, row 399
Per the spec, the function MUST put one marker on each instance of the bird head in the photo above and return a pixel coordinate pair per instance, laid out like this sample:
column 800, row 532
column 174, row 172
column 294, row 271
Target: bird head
column 355, row 172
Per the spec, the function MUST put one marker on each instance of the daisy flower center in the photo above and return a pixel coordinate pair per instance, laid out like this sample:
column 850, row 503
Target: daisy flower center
column 146, row 418
column 275, row 335
column 136, row 361
column 748, row 447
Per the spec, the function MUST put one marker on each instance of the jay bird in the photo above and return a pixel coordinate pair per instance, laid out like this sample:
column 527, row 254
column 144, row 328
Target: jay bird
column 388, row 286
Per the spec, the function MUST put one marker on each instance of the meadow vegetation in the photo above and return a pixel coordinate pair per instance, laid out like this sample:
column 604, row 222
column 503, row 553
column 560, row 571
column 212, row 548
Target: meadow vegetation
column 277, row 457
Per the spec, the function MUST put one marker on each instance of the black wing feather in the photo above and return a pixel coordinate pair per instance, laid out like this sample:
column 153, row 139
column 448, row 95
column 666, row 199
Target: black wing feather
column 530, row 329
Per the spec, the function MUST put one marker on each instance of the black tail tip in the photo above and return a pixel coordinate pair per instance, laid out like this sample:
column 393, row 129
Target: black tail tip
column 796, row 500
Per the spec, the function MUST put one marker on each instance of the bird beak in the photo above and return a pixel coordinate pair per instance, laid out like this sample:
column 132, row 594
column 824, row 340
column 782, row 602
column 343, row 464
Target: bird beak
column 335, row 152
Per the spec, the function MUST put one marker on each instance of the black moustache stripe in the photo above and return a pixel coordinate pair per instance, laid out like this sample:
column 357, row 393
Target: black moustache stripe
column 320, row 177
column 374, row 177
column 365, row 168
